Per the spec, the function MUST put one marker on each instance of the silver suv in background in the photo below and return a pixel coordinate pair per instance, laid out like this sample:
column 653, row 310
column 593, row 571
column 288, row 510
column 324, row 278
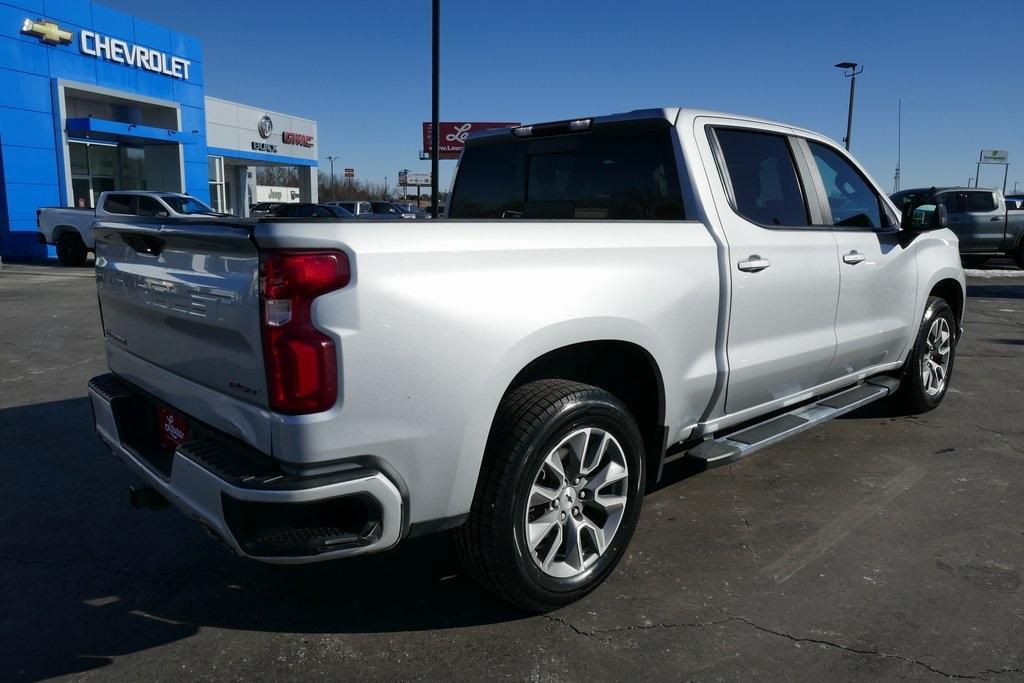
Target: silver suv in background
column 618, row 292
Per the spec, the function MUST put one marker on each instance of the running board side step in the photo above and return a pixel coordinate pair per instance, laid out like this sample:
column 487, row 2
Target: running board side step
column 732, row 446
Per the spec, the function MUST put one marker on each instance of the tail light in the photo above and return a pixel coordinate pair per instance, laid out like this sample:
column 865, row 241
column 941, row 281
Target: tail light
column 301, row 363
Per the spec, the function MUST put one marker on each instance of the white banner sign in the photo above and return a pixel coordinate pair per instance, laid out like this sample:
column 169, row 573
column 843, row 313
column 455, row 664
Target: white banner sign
column 994, row 156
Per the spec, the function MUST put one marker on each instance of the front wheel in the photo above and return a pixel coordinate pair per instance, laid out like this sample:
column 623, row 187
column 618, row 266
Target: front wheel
column 559, row 495
column 929, row 367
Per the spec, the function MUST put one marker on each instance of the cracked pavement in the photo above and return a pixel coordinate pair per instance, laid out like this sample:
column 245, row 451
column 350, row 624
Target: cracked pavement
column 873, row 547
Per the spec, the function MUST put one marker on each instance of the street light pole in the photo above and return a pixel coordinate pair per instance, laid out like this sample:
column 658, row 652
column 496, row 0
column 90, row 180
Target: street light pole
column 850, row 70
column 435, row 105
column 334, row 184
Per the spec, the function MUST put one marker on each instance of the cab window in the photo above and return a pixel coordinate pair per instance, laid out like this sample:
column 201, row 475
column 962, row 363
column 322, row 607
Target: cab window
column 981, row 202
column 763, row 177
column 852, row 201
column 118, row 203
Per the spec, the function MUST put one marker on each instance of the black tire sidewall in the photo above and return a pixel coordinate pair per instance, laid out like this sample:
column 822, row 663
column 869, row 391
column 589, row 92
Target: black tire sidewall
column 604, row 413
column 71, row 250
column 919, row 398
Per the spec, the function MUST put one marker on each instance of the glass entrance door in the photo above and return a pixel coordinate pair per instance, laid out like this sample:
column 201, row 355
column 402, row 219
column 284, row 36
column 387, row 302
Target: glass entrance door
column 98, row 167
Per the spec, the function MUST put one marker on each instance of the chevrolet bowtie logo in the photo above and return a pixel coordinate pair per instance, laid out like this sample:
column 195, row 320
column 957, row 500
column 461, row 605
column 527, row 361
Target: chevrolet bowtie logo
column 46, row 31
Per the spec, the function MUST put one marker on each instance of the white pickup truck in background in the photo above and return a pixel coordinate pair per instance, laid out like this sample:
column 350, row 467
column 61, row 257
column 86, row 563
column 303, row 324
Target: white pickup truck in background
column 70, row 229
column 607, row 295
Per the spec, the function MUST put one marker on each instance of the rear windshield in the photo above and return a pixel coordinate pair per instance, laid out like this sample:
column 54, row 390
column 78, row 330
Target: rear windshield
column 624, row 174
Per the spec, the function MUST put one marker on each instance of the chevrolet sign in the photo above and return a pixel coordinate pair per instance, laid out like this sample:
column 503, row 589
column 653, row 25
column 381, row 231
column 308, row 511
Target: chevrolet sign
column 111, row 49
column 46, row 31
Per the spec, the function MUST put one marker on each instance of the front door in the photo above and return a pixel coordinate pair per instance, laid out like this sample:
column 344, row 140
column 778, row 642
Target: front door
column 785, row 274
column 878, row 277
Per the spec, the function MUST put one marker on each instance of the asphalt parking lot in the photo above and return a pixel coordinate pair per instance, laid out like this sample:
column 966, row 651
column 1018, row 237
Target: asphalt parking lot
column 872, row 547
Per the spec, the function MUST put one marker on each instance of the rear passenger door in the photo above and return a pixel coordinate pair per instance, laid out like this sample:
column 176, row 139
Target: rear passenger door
column 984, row 221
column 784, row 273
column 878, row 276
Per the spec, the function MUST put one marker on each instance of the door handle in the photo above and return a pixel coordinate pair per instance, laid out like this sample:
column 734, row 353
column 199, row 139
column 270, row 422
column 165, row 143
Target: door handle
column 996, row 218
column 854, row 257
column 753, row 264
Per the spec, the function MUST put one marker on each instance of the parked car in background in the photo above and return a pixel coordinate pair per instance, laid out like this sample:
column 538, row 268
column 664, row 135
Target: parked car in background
column 263, row 208
column 364, row 209
column 654, row 285
column 984, row 223
column 303, row 210
column 70, row 229
column 410, row 210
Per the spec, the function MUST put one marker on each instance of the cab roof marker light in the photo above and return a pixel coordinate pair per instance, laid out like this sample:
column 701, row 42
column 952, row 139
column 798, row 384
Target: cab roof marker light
column 579, row 124
column 523, row 131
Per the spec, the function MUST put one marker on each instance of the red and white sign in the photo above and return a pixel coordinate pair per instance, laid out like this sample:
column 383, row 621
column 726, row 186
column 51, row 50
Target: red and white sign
column 299, row 139
column 173, row 428
column 453, row 134
column 350, row 173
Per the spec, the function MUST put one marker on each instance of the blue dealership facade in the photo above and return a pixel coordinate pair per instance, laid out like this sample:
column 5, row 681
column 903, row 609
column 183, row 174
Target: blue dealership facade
column 93, row 99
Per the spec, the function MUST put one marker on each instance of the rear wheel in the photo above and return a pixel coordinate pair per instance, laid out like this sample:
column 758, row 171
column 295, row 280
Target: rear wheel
column 71, row 250
column 559, row 495
column 929, row 367
column 1018, row 255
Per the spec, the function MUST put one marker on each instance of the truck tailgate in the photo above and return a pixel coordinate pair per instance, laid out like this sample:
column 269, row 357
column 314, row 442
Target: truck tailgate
column 184, row 296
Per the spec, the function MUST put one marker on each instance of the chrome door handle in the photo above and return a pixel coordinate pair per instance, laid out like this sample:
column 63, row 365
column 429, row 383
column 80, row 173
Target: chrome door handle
column 853, row 257
column 753, row 264
column 996, row 218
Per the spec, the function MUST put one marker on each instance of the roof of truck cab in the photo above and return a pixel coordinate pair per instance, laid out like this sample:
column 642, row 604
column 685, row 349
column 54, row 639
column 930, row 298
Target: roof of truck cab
column 671, row 114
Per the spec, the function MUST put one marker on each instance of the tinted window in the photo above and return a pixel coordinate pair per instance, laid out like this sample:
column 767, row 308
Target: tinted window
column 764, row 181
column 150, row 207
column 118, row 203
column 851, row 199
column 950, row 201
column 981, row 201
column 622, row 174
column 187, row 205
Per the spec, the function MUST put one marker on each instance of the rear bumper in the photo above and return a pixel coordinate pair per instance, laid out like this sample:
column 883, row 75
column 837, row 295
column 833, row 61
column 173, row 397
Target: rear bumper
column 245, row 498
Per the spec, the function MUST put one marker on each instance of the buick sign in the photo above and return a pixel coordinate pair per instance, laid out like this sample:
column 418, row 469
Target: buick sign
column 265, row 127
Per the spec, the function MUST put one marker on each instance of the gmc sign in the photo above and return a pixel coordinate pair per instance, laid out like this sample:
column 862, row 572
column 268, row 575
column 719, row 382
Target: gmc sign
column 299, row 139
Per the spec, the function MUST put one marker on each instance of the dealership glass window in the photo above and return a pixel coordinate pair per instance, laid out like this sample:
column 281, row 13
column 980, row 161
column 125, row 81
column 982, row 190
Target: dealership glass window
column 133, row 168
column 216, row 173
column 79, row 155
column 103, row 160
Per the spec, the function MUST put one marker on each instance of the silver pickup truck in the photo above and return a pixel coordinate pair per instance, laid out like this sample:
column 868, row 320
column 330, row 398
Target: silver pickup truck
column 70, row 229
column 986, row 223
column 608, row 295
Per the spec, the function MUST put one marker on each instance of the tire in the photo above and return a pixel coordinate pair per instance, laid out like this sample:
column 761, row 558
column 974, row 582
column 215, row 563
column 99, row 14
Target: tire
column 1018, row 255
column 919, row 391
column 71, row 250
column 537, row 424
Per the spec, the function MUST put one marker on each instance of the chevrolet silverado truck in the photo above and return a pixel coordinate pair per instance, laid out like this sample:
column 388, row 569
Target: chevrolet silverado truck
column 70, row 229
column 608, row 295
column 985, row 223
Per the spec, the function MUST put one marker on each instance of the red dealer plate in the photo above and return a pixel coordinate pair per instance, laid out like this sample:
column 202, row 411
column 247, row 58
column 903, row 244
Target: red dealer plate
column 173, row 428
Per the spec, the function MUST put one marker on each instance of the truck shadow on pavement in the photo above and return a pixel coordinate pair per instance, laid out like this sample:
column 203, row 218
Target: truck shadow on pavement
column 85, row 578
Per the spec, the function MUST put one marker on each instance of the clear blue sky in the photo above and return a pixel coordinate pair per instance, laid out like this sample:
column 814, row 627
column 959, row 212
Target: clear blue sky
column 362, row 69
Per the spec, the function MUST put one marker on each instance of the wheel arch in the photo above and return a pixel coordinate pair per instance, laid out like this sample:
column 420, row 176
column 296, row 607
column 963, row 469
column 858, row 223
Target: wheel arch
column 953, row 293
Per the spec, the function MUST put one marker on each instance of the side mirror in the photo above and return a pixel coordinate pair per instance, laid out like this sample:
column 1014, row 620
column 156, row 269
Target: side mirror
column 924, row 217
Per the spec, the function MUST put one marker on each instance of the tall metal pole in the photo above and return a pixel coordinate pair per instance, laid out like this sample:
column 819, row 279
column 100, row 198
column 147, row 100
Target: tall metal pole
column 899, row 143
column 850, row 70
column 849, row 114
column 435, row 106
column 334, row 183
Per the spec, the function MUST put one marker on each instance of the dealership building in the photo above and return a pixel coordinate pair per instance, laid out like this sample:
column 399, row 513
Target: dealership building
column 93, row 99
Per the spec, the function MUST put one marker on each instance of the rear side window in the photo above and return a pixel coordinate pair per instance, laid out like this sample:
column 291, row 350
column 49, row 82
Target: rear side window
column 618, row 174
column 118, row 203
column 763, row 177
column 951, row 201
column 852, row 201
column 981, row 201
